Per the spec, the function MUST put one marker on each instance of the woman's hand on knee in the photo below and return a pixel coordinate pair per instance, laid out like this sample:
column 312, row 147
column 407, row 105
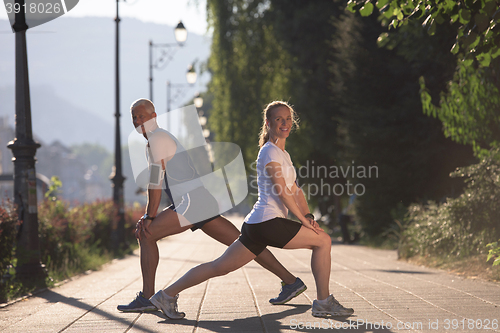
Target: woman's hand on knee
column 313, row 225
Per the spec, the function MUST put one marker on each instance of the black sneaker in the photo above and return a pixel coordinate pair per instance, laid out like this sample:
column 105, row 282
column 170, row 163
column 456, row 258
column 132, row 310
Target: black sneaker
column 139, row 304
column 289, row 291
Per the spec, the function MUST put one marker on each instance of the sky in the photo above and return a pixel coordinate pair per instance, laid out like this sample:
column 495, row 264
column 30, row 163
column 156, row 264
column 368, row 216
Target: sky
column 192, row 13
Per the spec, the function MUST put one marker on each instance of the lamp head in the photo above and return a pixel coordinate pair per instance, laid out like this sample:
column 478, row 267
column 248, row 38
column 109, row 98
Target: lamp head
column 191, row 75
column 198, row 101
column 180, row 33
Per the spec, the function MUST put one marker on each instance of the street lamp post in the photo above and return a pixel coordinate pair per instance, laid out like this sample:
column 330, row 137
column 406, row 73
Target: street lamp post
column 168, row 50
column 179, row 90
column 191, row 77
column 24, row 148
column 117, row 178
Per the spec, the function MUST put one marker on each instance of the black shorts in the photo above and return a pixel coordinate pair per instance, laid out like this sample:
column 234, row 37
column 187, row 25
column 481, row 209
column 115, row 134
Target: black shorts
column 276, row 232
column 198, row 205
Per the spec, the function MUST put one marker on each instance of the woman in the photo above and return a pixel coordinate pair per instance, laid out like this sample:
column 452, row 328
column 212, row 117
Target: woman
column 266, row 224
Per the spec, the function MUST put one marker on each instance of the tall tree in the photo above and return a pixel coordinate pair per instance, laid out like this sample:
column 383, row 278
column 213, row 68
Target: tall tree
column 384, row 125
column 475, row 22
column 469, row 105
column 470, row 108
column 248, row 70
column 274, row 50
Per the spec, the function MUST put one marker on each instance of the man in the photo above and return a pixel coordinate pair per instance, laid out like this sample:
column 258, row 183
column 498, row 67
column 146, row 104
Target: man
column 189, row 198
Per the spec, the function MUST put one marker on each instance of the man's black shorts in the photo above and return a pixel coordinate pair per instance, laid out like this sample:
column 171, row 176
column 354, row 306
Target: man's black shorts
column 198, row 207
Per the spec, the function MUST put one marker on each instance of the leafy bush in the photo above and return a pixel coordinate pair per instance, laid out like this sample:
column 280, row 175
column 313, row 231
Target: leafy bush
column 72, row 239
column 8, row 231
column 494, row 252
column 461, row 226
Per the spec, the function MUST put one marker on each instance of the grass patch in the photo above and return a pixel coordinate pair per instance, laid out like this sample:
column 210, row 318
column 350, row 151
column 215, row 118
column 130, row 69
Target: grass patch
column 472, row 267
column 84, row 259
column 456, row 235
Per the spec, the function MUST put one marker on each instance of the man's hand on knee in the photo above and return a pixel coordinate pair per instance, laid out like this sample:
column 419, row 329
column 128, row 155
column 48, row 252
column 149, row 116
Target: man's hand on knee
column 142, row 228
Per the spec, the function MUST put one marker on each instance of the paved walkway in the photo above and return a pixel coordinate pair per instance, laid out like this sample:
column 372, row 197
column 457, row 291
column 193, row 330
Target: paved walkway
column 387, row 295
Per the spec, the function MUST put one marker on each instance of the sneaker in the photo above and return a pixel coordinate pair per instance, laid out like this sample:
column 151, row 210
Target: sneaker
column 289, row 291
column 332, row 308
column 139, row 304
column 167, row 304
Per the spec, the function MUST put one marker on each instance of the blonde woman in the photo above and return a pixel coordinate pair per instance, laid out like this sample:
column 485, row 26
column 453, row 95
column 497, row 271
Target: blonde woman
column 267, row 224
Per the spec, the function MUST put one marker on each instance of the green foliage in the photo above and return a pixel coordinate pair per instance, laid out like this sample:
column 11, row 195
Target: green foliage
column 272, row 50
column 54, row 186
column 71, row 236
column 477, row 22
column 238, row 62
column 494, row 252
column 470, row 108
column 8, row 232
column 385, row 128
column 275, row 50
column 72, row 239
column 469, row 105
column 367, row 9
column 304, row 30
column 462, row 226
column 355, row 101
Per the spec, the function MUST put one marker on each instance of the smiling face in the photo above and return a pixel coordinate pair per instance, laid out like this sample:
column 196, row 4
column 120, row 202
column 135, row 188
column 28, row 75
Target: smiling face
column 280, row 122
column 140, row 116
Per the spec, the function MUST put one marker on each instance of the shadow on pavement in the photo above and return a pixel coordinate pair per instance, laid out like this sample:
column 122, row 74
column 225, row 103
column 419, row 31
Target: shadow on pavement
column 54, row 297
column 272, row 323
column 403, row 272
column 249, row 324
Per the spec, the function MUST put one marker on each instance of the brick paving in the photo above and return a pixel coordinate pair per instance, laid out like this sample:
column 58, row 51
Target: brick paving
column 387, row 295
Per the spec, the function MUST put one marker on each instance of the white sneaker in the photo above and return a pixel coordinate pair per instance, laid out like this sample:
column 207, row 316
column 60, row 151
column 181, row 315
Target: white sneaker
column 167, row 304
column 331, row 308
